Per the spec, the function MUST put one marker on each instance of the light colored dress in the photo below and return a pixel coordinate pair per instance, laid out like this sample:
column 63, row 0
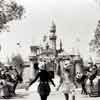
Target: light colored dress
column 67, row 85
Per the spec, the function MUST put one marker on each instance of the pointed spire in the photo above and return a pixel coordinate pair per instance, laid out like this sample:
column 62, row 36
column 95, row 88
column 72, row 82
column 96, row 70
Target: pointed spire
column 53, row 27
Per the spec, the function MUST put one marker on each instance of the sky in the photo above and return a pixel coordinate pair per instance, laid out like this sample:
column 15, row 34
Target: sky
column 74, row 19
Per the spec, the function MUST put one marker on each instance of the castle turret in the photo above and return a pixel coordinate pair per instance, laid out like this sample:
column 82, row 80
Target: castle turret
column 53, row 37
column 53, row 28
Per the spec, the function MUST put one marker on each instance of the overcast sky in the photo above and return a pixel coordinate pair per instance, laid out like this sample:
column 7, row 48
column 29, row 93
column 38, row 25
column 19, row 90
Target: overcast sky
column 73, row 18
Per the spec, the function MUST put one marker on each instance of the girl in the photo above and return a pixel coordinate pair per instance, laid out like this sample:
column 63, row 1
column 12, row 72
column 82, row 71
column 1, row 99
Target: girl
column 66, row 83
column 43, row 88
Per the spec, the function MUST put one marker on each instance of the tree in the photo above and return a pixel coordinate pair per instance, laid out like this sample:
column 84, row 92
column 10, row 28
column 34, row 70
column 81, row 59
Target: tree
column 95, row 42
column 97, row 1
column 18, row 62
column 9, row 11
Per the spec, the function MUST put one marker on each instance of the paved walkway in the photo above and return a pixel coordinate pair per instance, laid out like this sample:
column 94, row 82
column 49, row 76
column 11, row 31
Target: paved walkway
column 30, row 95
column 55, row 95
column 22, row 94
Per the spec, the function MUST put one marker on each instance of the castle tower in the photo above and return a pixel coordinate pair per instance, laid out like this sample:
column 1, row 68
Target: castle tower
column 53, row 37
column 61, row 45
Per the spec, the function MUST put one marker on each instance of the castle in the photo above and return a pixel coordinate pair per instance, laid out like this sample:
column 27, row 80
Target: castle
column 48, row 49
column 49, row 45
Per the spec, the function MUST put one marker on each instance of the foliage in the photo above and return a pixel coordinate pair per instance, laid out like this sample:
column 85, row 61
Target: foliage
column 95, row 42
column 9, row 11
column 18, row 62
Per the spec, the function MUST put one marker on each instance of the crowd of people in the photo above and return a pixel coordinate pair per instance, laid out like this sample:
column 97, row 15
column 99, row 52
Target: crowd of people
column 89, row 74
column 9, row 78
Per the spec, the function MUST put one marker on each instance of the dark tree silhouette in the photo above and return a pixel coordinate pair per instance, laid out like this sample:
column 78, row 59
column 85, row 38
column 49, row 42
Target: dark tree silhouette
column 9, row 11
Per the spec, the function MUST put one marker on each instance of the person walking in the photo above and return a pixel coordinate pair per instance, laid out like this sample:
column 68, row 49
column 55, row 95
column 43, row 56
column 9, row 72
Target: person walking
column 66, row 82
column 43, row 87
column 93, row 75
column 36, row 67
column 83, row 84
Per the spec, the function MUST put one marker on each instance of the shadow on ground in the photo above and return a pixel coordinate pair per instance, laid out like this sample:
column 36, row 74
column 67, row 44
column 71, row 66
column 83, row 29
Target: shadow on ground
column 17, row 96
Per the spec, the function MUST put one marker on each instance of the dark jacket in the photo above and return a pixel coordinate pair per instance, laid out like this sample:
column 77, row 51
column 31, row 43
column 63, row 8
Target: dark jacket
column 44, row 77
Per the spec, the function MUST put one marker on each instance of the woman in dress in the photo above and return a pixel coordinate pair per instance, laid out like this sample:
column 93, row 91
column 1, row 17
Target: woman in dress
column 66, row 82
column 43, row 88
